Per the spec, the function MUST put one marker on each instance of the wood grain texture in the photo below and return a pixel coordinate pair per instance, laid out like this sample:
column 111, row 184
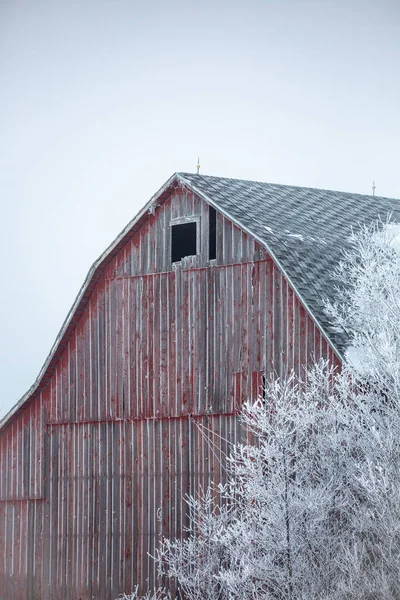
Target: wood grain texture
column 141, row 407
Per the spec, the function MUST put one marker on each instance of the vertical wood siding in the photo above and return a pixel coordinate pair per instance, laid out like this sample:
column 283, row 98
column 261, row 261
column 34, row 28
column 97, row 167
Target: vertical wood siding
column 140, row 407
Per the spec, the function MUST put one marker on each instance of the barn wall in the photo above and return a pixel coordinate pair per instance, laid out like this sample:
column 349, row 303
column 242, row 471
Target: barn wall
column 23, row 471
column 138, row 409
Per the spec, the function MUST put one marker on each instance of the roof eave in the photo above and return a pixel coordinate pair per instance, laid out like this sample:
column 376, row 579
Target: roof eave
column 96, row 269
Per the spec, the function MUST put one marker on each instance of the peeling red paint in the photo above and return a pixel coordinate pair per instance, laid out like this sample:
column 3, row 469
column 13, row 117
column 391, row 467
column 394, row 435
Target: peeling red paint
column 139, row 406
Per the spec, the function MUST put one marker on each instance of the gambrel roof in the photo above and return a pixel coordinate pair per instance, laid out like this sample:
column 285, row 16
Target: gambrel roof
column 304, row 230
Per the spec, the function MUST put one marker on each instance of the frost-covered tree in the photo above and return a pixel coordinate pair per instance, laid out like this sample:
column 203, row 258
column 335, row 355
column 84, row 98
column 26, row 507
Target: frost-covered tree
column 311, row 506
column 196, row 562
column 368, row 304
column 314, row 504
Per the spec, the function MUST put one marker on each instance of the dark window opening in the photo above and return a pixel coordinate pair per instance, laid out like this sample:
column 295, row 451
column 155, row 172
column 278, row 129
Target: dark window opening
column 183, row 241
column 212, row 233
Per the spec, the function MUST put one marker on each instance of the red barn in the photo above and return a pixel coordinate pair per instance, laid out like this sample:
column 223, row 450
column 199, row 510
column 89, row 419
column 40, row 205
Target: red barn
column 215, row 284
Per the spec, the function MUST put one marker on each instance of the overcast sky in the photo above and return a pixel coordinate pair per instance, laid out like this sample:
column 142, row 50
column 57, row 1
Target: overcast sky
column 100, row 102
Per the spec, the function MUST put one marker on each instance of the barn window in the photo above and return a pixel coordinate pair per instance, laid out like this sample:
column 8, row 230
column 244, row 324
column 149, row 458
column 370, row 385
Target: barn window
column 183, row 240
column 212, row 233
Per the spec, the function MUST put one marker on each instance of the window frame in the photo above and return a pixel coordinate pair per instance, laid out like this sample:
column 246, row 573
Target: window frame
column 185, row 221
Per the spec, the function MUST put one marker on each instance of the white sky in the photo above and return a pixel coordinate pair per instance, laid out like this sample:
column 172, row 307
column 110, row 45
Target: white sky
column 101, row 102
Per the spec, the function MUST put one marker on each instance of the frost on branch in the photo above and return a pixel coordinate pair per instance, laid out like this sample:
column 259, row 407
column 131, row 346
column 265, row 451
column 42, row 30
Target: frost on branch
column 159, row 594
column 196, row 561
column 368, row 306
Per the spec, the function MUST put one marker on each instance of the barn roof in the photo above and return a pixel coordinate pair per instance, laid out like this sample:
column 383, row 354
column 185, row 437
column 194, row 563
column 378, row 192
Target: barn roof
column 304, row 229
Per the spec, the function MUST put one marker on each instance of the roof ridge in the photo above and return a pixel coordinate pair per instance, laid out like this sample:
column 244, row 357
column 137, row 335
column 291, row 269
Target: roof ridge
column 284, row 185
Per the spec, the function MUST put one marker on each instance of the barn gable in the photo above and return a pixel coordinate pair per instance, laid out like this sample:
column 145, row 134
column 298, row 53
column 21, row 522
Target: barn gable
column 136, row 403
column 237, row 211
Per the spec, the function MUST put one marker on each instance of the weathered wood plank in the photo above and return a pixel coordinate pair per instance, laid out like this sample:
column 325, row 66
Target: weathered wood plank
column 140, row 408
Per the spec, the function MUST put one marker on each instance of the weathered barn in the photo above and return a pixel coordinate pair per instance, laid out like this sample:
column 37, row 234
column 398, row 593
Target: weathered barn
column 215, row 284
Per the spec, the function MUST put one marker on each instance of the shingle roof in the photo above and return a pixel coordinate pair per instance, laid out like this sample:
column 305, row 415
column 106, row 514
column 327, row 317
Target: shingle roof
column 305, row 229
